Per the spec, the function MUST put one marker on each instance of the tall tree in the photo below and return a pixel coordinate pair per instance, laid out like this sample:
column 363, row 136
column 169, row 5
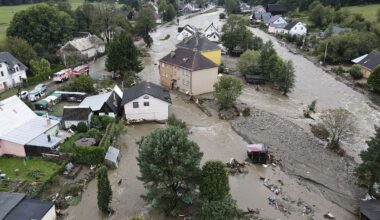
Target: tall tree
column 169, row 167
column 83, row 16
column 224, row 209
column 266, row 52
column 20, row 48
column 235, row 32
column 285, row 78
column 145, row 23
column 227, row 90
column 43, row 24
column 248, row 63
column 214, row 184
column 104, row 190
column 232, row 6
column 374, row 80
column 40, row 67
column 123, row 57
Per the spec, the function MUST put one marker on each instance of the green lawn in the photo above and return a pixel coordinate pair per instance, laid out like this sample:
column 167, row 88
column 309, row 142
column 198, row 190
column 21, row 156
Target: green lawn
column 8, row 165
column 368, row 11
column 7, row 13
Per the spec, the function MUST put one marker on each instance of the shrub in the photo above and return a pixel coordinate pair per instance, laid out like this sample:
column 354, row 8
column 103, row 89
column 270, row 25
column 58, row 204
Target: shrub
column 82, row 127
column 94, row 133
column 355, row 72
column 339, row 70
column 174, row 121
column 88, row 155
column 222, row 16
column 320, row 131
column 246, row 112
column 73, row 127
column 101, row 122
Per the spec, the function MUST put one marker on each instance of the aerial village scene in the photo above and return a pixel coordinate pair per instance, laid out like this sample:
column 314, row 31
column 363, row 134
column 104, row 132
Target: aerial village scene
column 189, row 109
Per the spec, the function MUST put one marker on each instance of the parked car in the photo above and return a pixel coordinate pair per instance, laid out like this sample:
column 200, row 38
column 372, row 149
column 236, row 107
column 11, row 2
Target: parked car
column 34, row 95
column 24, row 94
column 41, row 88
column 62, row 75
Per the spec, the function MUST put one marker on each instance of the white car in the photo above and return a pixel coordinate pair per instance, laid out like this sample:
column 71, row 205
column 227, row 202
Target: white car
column 24, row 94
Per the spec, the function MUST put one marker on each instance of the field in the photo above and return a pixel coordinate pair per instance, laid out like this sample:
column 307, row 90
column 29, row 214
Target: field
column 7, row 13
column 368, row 11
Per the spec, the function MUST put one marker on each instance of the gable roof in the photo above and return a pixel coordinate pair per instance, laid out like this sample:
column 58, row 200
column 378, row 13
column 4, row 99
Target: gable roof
column 198, row 42
column 84, row 43
column 8, row 201
column 358, row 59
column 371, row 61
column 76, row 113
column 10, row 60
column 274, row 18
column 29, row 209
column 214, row 33
column 291, row 25
column 370, row 208
column 210, row 26
column 188, row 59
column 145, row 88
column 276, row 8
column 95, row 102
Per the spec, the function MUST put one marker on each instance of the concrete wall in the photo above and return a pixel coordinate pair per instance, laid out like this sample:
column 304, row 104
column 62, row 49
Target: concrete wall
column 10, row 148
column 203, row 81
column 50, row 215
column 157, row 109
column 215, row 56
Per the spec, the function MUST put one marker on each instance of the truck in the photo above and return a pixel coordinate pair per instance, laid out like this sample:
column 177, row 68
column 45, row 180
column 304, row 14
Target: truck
column 62, row 75
column 81, row 70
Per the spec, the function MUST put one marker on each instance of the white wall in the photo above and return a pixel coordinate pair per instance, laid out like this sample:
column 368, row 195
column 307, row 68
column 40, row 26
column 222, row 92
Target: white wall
column 275, row 30
column 157, row 109
column 11, row 80
column 298, row 29
column 210, row 30
column 213, row 38
column 50, row 215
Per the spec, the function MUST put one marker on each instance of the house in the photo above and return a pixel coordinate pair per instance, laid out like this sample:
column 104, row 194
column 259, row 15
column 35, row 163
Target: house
column 276, row 19
column 106, row 103
column 245, row 8
column 210, row 29
column 73, row 115
column 261, row 17
column 112, row 157
column 333, row 30
column 368, row 63
column 86, row 47
column 185, row 32
column 190, row 8
column 277, row 28
column 146, row 101
column 188, row 71
column 369, row 209
column 12, row 71
column 212, row 33
column 22, row 132
column 200, row 43
column 276, row 9
column 296, row 28
column 258, row 8
column 17, row 206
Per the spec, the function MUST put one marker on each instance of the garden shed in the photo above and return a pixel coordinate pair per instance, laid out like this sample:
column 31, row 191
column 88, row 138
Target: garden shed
column 112, row 157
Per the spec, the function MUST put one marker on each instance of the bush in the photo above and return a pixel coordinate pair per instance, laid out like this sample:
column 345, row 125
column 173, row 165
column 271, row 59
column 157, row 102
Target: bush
column 355, row 72
column 339, row 70
column 246, row 112
column 94, row 133
column 320, row 131
column 82, row 83
column 222, row 16
column 73, row 128
column 82, row 127
column 101, row 122
column 88, row 155
column 174, row 121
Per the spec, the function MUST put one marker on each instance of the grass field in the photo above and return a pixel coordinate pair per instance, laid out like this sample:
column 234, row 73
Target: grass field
column 7, row 13
column 368, row 11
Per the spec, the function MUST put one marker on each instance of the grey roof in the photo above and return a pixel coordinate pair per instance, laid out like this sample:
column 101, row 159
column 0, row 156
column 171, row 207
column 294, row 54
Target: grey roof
column 10, row 60
column 274, row 18
column 145, row 88
column 371, row 209
column 283, row 25
column 188, row 59
column 265, row 17
column 95, row 102
column 112, row 154
column 76, row 113
column 29, row 209
column 8, row 201
column 42, row 141
column 291, row 25
column 371, row 61
column 278, row 8
column 199, row 43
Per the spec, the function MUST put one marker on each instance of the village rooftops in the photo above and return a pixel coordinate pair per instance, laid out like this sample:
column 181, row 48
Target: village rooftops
column 10, row 60
column 199, row 43
column 371, row 61
column 188, row 59
column 146, row 88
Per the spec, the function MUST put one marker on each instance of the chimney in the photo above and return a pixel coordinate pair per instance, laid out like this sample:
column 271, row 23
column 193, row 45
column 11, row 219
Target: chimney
column 172, row 54
column 49, row 138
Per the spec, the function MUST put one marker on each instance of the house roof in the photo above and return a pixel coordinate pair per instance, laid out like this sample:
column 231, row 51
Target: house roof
column 274, row 18
column 188, row 59
column 145, row 88
column 8, row 201
column 334, row 30
column 370, row 208
column 29, row 209
column 198, row 42
column 84, row 43
column 291, row 25
column 371, row 61
column 214, row 33
column 265, row 17
column 210, row 26
column 10, row 60
column 95, row 102
column 276, row 8
column 257, row 8
column 283, row 25
column 76, row 113
column 357, row 60
column 42, row 141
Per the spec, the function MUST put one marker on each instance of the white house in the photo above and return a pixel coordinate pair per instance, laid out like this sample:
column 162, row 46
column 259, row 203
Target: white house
column 86, row 47
column 296, row 28
column 214, row 37
column 210, row 29
column 146, row 101
column 12, row 71
column 276, row 20
column 277, row 28
column 186, row 31
column 73, row 115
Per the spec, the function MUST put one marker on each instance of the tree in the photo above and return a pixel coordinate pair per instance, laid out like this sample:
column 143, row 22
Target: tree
column 355, row 72
column 232, row 6
column 169, row 167
column 145, row 23
column 83, row 16
column 266, row 63
column 369, row 169
column 174, row 121
column 43, row 24
column 82, row 83
column 339, row 123
column 320, row 15
column 170, row 13
column 285, row 79
column 123, row 57
column 374, row 80
column 227, row 90
column 224, row 209
column 135, row 4
column 235, row 32
column 214, row 184
column 20, row 48
column 40, row 67
column 104, row 190
column 248, row 63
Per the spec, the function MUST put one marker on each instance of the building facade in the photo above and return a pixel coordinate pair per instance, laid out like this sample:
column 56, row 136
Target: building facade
column 12, row 71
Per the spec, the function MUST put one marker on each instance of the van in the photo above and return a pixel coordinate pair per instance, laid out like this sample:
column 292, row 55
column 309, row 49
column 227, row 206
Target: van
column 62, row 75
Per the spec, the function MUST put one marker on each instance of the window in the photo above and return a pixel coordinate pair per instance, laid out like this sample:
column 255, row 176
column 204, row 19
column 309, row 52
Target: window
column 135, row 105
column 146, row 103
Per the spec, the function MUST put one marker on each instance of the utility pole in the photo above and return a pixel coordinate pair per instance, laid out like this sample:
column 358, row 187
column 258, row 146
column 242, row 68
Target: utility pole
column 324, row 60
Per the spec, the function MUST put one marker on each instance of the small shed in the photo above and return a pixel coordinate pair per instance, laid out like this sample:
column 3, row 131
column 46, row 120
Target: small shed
column 112, row 157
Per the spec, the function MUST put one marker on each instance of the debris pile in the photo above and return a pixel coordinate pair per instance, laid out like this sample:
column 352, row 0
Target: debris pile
column 252, row 214
column 236, row 167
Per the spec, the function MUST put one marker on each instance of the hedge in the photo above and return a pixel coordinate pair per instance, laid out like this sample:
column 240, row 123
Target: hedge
column 88, row 155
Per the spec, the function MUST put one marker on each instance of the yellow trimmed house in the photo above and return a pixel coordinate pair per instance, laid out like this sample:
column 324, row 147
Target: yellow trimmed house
column 201, row 44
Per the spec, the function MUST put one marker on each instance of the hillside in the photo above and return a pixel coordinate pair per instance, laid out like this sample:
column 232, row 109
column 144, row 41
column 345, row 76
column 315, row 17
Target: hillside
column 368, row 11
